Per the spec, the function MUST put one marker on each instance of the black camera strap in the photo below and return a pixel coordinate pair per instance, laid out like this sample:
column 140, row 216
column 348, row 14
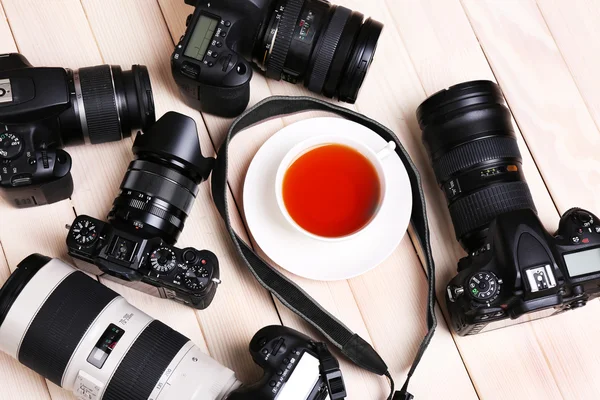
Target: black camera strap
column 350, row 344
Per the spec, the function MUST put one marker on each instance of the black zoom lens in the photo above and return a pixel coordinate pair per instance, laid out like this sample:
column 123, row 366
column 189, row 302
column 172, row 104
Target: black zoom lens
column 110, row 103
column 326, row 46
column 160, row 186
column 471, row 142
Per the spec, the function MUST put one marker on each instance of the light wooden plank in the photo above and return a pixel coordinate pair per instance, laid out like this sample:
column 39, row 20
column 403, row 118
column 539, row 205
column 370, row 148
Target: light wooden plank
column 338, row 297
column 574, row 27
column 135, row 32
column 103, row 178
column 564, row 141
column 23, row 232
column 241, row 154
column 444, row 51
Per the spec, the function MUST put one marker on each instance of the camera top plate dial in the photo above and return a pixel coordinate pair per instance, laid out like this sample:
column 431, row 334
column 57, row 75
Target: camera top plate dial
column 196, row 277
column 163, row 260
column 11, row 146
column 484, row 286
column 84, row 232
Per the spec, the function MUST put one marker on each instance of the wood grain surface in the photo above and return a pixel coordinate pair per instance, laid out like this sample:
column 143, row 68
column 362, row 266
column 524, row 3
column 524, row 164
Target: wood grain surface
column 545, row 57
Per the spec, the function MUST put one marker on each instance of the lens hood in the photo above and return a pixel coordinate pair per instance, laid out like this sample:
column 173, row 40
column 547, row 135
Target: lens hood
column 174, row 139
column 26, row 270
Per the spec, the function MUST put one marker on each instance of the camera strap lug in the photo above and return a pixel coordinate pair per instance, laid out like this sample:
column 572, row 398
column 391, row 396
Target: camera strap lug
column 355, row 348
column 331, row 373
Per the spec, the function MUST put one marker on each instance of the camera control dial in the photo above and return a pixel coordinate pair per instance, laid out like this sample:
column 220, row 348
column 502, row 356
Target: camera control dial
column 196, row 277
column 84, row 232
column 10, row 146
column 484, row 286
column 163, row 260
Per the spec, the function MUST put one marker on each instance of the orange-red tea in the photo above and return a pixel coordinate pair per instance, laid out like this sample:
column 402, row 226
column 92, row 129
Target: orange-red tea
column 331, row 191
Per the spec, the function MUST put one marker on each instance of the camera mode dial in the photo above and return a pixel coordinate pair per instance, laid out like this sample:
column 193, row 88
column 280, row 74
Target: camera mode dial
column 84, row 232
column 10, row 146
column 196, row 277
column 484, row 286
column 163, row 260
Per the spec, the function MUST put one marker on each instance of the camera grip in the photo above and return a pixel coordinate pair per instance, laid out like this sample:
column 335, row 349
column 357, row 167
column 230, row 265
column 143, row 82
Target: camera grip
column 40, row 194
column 223, row 101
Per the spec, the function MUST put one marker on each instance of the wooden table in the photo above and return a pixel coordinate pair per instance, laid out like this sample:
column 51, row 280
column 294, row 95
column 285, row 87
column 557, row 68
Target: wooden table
column 544, row 54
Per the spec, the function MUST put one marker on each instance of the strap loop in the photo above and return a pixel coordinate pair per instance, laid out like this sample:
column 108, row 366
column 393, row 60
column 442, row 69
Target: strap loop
column 290, row 294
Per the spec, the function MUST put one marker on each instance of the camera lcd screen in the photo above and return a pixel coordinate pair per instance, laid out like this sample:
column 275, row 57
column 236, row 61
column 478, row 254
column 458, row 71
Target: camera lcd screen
column 583, row 262
column 201, row 37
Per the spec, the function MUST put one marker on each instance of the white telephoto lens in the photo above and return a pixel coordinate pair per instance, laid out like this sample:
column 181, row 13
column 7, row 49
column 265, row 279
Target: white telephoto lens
column 88, row 339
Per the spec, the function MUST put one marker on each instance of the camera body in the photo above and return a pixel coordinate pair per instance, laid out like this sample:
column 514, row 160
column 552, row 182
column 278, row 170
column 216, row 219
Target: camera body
column 44, row 109
column 210, row 61
column 328, row 48
column 523, row 269
column 35, row 104
column 188, row 276
column 293, row 364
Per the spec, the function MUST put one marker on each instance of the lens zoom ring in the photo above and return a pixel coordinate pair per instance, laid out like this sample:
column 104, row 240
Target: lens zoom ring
column 144, row 363
column 331, row 39
column 472, row 153
column 100, row 104
column 61, row 323
column 481, row 207
column 283, row 39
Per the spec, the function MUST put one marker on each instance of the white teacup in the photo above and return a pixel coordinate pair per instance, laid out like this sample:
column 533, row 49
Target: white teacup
column 375, row 158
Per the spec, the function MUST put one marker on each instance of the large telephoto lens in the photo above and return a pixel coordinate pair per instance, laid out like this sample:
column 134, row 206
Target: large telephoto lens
column 86, row 338
column 328, row 47
column 161, row 184
column 471, row 142
column 108, row 104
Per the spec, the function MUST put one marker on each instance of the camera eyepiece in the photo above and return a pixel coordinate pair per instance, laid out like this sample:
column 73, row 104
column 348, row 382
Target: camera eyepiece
column 468, row 133
column 161, row 184
column 112, row 102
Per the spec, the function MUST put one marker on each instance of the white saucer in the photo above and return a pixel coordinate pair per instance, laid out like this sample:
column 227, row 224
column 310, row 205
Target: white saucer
column 312, row 258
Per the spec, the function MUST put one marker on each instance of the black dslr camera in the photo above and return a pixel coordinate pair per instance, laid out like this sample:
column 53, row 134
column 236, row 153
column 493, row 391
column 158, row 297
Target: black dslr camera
column 148, row 215
column 514, row 268
column 44, row 109
column 295, row 367
column 328, row 47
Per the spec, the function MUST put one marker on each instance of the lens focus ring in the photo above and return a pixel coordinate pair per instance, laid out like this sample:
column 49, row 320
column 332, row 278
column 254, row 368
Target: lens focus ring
column 100, row 106
column 283, row 38
column 473, row 153
column 479, row 208
column 328, row 47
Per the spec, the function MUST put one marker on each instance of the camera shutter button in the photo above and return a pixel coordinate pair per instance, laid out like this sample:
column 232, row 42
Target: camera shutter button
column 189, row 256
column 583, row 218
